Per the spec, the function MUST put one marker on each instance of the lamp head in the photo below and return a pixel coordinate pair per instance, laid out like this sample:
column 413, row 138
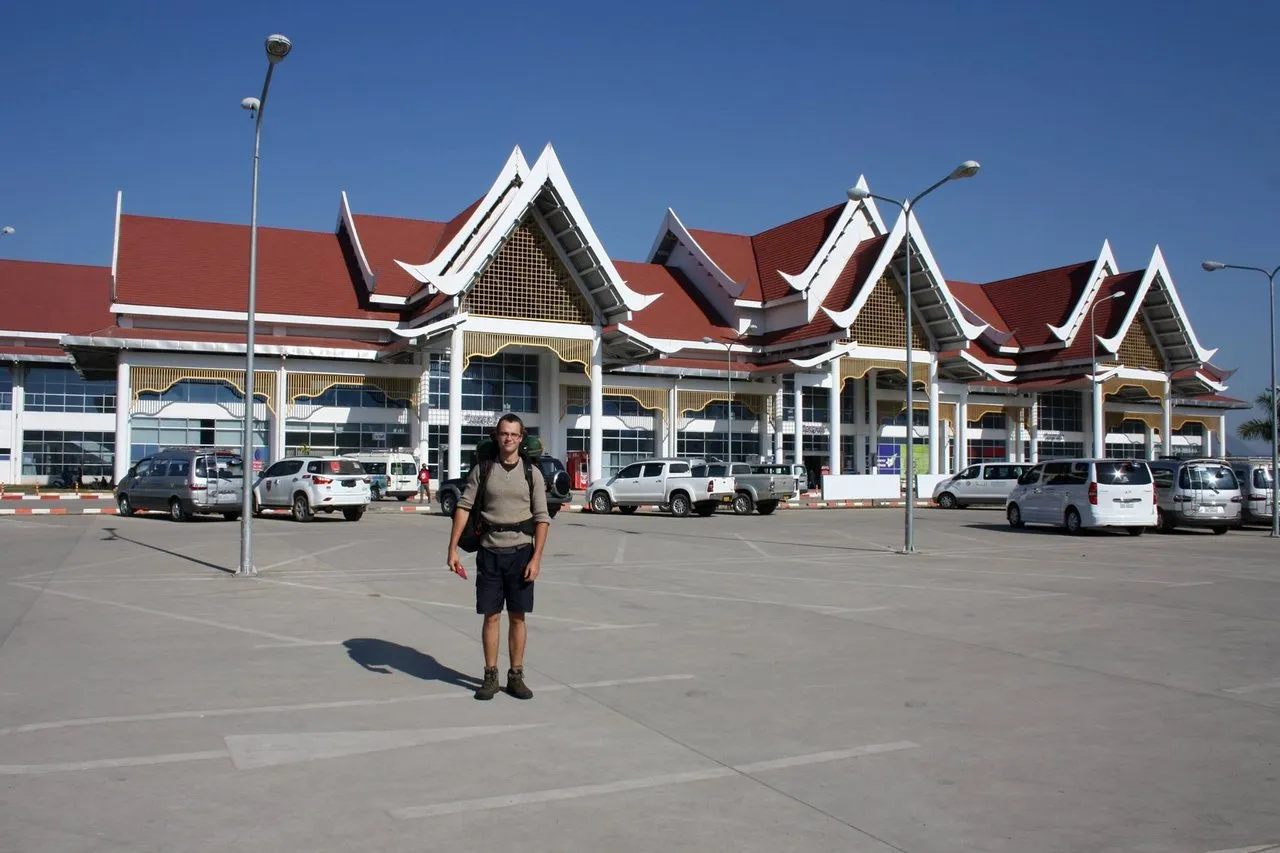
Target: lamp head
column 1213, row 266
column 1118, row 294
column 967, row 169
column 250, row 104
column 707, row 339
column 858, row 193
column 278, row 48
column 5, row 231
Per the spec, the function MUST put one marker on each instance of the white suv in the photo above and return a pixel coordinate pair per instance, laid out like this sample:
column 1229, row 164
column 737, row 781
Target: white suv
column 311, row 484
column 1080, row 493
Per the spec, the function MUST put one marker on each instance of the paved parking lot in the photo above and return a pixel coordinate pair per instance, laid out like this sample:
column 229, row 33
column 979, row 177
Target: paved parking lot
column 743, row 684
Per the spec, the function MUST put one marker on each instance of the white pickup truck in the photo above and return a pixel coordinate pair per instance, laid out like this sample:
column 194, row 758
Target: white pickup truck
column 681, row 485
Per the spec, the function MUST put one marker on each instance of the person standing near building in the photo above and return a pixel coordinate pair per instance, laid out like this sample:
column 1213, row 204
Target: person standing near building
column 424, row 483
column 516, row 523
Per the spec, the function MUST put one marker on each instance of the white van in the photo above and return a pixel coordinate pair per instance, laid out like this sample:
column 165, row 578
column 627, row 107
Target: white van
column 394, row 473
column 1080, row 493
column 986, row 482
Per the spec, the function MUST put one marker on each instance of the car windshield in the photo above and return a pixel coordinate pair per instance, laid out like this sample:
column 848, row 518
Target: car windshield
column 228, row 467
column 1216, row 477
column 341, row 466
column 403, row 469
column 698, row 471
column 1123, row 474
column 1262, row 478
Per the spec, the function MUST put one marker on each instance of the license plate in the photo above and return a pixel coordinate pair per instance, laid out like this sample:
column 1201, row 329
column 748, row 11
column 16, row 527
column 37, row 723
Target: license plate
column 350, row 484
column 726, row 499
column 1212, row 509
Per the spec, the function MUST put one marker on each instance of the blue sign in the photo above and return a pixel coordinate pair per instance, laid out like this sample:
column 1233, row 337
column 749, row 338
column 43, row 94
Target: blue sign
column 889, row 459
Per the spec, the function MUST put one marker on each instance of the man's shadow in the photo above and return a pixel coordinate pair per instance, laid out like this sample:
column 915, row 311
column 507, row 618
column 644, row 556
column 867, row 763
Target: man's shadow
column 382, row 656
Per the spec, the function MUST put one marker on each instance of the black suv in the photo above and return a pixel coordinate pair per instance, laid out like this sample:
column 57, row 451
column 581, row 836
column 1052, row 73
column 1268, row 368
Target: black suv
column 553, row 473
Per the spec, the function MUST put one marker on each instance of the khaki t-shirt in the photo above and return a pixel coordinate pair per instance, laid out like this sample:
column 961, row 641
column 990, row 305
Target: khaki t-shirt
column 506, row 501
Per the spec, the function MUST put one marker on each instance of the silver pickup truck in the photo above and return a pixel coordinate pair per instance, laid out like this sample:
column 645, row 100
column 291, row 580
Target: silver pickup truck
column 683, row 486
column 756, row 488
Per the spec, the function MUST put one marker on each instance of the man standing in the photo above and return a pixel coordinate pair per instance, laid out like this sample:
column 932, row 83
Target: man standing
column 514, row 511
column 424, row 483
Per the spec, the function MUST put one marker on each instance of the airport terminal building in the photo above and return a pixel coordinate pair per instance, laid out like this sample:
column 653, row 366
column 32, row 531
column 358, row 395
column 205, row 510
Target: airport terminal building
column 399, row 333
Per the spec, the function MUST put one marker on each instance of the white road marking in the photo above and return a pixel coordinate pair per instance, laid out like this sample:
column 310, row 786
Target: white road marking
column 309, row 556
column 1034, row 575
column 167, row 615
column 1262, row 848
column 1254, row 688
column 753, row 546
column 615, row 627
column 817, row 608
column 250, row 752
column 316, row 706
column 103, row 563
column 622, row 550
column 135, row 761
column 548, row 795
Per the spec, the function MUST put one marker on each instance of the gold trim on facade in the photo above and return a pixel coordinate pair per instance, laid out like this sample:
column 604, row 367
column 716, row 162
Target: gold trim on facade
column 653, row 399
column 696, row 401
column 856, row 368
column 1179, row 421
column 299, row 385
column 1155, row 388
column 157, row 380
column 489, row 344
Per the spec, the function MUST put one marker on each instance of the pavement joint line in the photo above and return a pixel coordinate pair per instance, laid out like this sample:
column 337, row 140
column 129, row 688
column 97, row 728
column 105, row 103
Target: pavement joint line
column 753, row 546
column 621, row 552
column 1254, row 688
column 614, row 627
column 164, row 613
column 321, row 706
column 301, row 557
column 453, row 605
column 816, row 608
column 105, row 763
column 549, row 795
column 1262, row 848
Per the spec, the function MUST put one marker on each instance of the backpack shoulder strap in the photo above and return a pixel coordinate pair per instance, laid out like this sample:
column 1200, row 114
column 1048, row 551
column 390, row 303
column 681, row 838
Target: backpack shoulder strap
column 528, row 475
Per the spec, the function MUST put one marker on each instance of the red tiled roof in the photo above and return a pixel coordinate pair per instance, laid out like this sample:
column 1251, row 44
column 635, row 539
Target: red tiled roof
column 1107, row 316
column 135, row 333
column 848, row 285
column 1030, row 303
column 452, row 227
column 734, row 254
column 178, row 263
column 387, row 239
column 975, row 298
column 1220, row 398
column 790, row 247
column 62, row 298
column 681, row 313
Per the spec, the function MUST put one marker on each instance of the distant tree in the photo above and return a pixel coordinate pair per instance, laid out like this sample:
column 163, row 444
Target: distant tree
column 1259, row 429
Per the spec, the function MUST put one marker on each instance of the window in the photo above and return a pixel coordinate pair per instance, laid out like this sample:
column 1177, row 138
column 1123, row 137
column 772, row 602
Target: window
column 4, row 454
column 988, row 449
column 1215, row 477
column 716, row 445
column 1061, row 411
column 6, row 388
column 506, row 382
column 334, row 439
column 652, row 469
column 1002, row 472
column 1125, row 473
column 970, row 473
column 199, row 391
column 788, row 398
column 718, row 411
column 817, row 405
column 621, row 446
column 1061, row 449
column 335, row 466
column 631, row 472
column 991, row 420
column 1031, row 476
column 1119, row 450
column 60, row 389
column 679, row 468
column 615, row 406
column 1163, row 478
column 355, row 397
column 1077, row 474
column 149, row 435
column 52, row 452
column 179, row 468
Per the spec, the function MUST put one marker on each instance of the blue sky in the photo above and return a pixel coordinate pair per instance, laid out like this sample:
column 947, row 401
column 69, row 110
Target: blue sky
column 1141, row 122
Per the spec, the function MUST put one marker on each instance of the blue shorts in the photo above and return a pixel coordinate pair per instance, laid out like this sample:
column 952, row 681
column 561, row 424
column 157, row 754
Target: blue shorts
column 500, row 580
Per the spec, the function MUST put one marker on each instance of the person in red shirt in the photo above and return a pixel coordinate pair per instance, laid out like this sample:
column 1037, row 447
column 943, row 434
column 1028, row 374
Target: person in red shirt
column 424, row 483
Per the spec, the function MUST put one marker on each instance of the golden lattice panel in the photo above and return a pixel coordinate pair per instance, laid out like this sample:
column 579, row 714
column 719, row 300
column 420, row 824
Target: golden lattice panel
column 696, row 401
column 856, row 368
column 160, row 379
column 299, row 385
column 881, row 322
column 1138, row 349
column 526, row 281
column 489, row 344
column 1154, row 388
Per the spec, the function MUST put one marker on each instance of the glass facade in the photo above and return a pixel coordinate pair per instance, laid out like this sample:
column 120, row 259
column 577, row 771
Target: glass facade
column 1061, row 450
column 150, row 435
column 60, row 389
column 506, row 382
column 1061, row 411
column 199, row 391
column 988, row 450
column 621, row 446
column 817, row 405
column 6, row 388
column 991, row 420
column 715, row 445
column 336, row 439
column 615, row 406
column 354, row 397
column 50, row 453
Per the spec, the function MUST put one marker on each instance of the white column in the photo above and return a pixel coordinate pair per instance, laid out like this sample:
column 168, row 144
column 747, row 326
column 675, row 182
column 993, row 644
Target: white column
column 457, row 339
column 1222, row 436
column 1099, row 422
column 15, row 424
column 417, row 414
column 962, row 430
column 1150, row 443
column 275, row 433
column 778, row 397
column 833, row 420
column 124, row 397
column 762, row 427
column 1206, row 449
column 659, row 434
column 549, row 417
column 673, row 430
column 858, row 390
column 1011, row 435
column 873, row 418
column 1166, row 422
column 596, row 447
column 935, row 446
column 799, row 406
column 1034, row 416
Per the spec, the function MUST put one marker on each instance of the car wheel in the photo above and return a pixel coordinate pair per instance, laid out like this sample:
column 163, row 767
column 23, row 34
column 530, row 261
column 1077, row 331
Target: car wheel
column 1014, row 514
column 448, row 503
column 706, row 509
column 681, row 505
column 1219, row 531
column 743, row 504
column 601, row 503
column 1162, row 522
column 231, row 516
column 354, row 513
column 301, row 508
column 1073, row 521
column 1137, row 531
column 766, row 507
column 628, row 510
column 176, row 511
column 123, row 505
column 946, row 500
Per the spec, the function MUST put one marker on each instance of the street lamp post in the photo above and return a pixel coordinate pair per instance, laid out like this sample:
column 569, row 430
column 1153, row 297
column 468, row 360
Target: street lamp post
column 277, row 47
column 728, row 351
column 967, row 169
column 1099, row 432
column 1214, row 266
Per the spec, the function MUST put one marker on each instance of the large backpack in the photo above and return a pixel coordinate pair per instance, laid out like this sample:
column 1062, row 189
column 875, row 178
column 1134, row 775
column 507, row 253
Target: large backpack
column 485, row 455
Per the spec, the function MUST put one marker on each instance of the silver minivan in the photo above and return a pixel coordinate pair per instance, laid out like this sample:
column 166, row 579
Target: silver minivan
column 984, row 483
column 1257, row 488
column 1196, row 493
column 184, row 482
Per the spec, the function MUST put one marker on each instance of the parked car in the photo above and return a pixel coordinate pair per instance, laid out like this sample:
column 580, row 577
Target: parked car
column 554, row 475
column 1081, row 493
column 756, row 489
column 311, row 484
column 684, row 486
column 984, row 483
column 392, row 473
column 184, row 482
column 1196, row 493
column 1257, row 488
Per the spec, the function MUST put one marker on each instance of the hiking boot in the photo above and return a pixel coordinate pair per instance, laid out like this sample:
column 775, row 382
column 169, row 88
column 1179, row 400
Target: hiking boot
column 515, row 684
column 490, row 687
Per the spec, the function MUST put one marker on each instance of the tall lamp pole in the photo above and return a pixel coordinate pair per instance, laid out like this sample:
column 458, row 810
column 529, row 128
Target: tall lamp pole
column 728, row 351
column 278, row 48
column 1214, row 266
column 1099, row 432
column 967, row 169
